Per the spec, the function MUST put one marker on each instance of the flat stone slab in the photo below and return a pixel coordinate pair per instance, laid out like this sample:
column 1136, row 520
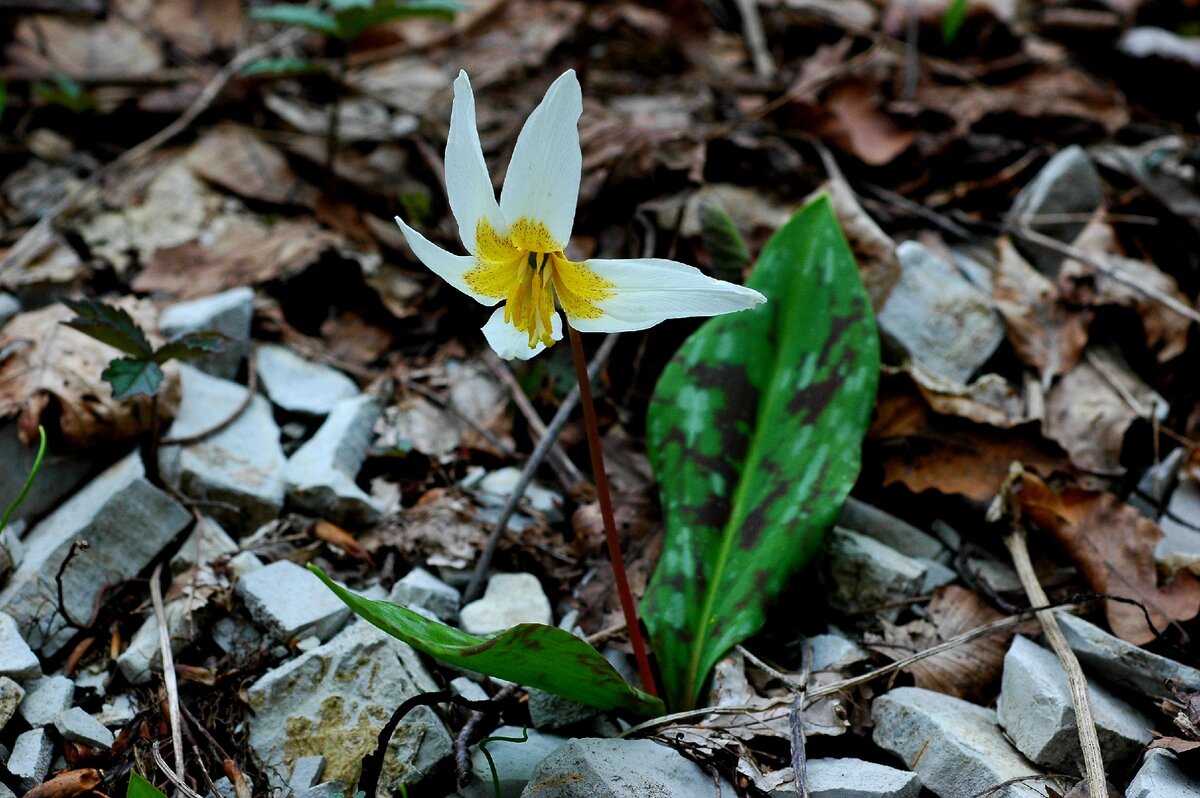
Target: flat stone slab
column 509, row 599
column 320, row 475
column 595, row 768
column 229, row 313
column 334, row 700
column 1123, row 664
column 1036, row 712
column 80, row 727
column 298, row 385
column 127, row 522
column 46, row 699
column 1161, row 777
column 954, row 746
column 852, row 778
column 17, row 660
column 239, row 469
column 864, row 574
column 292, row 603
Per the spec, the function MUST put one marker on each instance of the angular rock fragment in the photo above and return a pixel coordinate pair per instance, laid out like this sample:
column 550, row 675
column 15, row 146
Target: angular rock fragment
column 864, row 574
column 59, row 476
column 11, row 694
column 593, row 768
column 510, row 599
column 143, row 657
column 30, row 759
column 1123, row 664
column 207, row 542
column 78, row 726
column 301, row 386
column 419, row 588
column 229, row 313
column 46, row 699
column 852, row 778
column 515, row 762
column 291, row 603
column 1161, row 777
column 320, row 475
column 9, row 307
column 17, row 660
column 1057, row 203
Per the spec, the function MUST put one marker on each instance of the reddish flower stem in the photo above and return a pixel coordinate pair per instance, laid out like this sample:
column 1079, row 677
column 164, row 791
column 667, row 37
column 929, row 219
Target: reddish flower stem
column 600, row 477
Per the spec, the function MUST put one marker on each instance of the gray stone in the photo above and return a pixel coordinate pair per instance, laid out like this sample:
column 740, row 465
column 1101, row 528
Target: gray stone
column 1151, row 42
column 329, row 789
column 9, row 307
column 307, row 772
column 46, row 699
column 891, row 531
column 515, row 762
column 1161, row 777
column 30, row 758
column 17, row 660
column 419, row 588
column 236, row 637
column 4, row 791
column 510, row 599
column 1123, row 664
column 938, row 318
column 242, row 465
column 143, row 656
column 1157, row 483
column 852, row 778
column 468, row 689
column 1057, row 204
column 864, row 574
column 117, row 713
column 834, row 651
column 244, row 563
column 955, row 747
column 11, row 694
column 497, row 486
column 298, row 385
column 1180, row 546
column 320, row 475
column 207, row 542
column 1036, row 712
column 595, row 768
column 127, row 522
column 60, row 474
column 80, row 727
column 549, row 711
column 291, row 602
column 229, row 313
column 334, row 701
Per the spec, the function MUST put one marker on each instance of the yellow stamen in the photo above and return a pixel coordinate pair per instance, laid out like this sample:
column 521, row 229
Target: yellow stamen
column 528, row 270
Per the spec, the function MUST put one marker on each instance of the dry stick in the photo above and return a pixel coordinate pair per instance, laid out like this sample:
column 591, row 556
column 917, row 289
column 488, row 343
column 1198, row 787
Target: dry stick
column 568, row 475
column 168, row 662
column 36, row 238
column 628, row 608
column 1089, row 742
column 462, row 743
column 796, row 724
column 171, row 775
column 531, row 465
column 756, row 39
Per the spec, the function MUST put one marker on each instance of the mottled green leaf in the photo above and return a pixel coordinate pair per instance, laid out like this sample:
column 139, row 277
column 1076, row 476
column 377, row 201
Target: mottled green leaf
column 191, row 345
column 357, row 20
column 755, row 431
column 300, row 16
column 727, row 253
column 110, row 325
column 282, row 68
column 531, row 654
column 130, row 376
column 953, row 19
column 140, row 788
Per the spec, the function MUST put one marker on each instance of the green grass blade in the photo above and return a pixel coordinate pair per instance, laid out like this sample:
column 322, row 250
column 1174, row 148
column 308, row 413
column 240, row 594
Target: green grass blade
column 33, row 472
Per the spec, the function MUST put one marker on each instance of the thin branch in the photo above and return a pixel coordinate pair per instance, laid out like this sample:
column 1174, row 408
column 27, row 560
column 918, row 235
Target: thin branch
column 76, row 547
column 462, row 743
column 168, row 663
column 170, row 774
column 756, row 39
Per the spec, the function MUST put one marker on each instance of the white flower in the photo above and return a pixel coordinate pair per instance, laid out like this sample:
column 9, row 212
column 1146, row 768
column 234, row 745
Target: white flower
column 517, row 246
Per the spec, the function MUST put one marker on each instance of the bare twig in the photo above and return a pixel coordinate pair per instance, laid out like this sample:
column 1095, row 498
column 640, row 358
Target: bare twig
column 168, row 663
column 251, row 389
column 756, row 39
column 796, row 724
column 171, row 775
column 475, row 586
column 76, row 547
column 462, row 743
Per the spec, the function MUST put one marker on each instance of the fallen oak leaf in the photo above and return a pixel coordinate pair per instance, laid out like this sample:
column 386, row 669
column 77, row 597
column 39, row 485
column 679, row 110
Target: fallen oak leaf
column 1113, row 546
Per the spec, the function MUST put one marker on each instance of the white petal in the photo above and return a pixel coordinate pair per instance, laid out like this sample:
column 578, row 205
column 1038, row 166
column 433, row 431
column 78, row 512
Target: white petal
column 650, row 290
column 467, row 182
column 448, row 266
column 542, row 184
column 509, row 342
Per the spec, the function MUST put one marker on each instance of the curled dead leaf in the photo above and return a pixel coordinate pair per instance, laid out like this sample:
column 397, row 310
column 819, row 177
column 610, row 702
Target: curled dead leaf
column 67, row 785
column 339, row 538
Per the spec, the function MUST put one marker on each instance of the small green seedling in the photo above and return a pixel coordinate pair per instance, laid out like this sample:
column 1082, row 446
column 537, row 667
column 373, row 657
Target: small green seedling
column 488, row 756
column 65, row 92
column 952, row 20
column 141, row 371
column 33, row 472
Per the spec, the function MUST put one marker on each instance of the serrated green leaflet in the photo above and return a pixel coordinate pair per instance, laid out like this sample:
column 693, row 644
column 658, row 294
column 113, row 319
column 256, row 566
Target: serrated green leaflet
column 755, row 430
column 140, row 788
column 130, row 376
column 530, row 654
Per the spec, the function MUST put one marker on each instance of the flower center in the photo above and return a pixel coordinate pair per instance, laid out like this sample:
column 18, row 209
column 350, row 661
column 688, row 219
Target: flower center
column 527, row 269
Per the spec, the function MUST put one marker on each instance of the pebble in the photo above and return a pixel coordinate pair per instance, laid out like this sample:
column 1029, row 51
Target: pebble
column 320, row 476
column 236, row 637
column 1157, row 483
column 509, row 599
column 852, row 778
column 600, row 768
column 291, row 602
column 229, row 313
column 497, row 486
column 937, row 317
column 1068, row 185
column 80, row 727
column 834, row 652
column 126, row 520
column 1161, row 777
column 143, row 656
column 515, row 762
column 549, row 711
column 1123, row 664
column 117, row 713
column 207, row 542
column 864, row 574
column 11, row 694
column 30, row 759
column 955, row 747
column 465, row 688
column 333, row 701
column 1036, row 712
column 9, row 307
column 242, row 465
column 419, row 588
column 298, row 385
column 46, row 699
column 17, row 660
column 243, row 564
column 1180, row 546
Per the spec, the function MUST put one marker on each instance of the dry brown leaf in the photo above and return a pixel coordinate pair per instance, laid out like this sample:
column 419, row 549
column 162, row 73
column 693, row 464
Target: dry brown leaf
column 250, row 252
column 989, row 400
column 50, row 375
column 195, row 27
column 236, row 158
column 439, row 532
column 924, row 451
column 67, row 785
column 517, row 40
column 84, row 49
column 966, row 671
column 340, row 539
column 858, row 124
column 874, row 249
column 1046, row 333
column 1113, row 546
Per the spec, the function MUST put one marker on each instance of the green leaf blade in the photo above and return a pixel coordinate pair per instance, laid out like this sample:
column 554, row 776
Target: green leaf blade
column 110, row 325
column 300, row 16
column 131, row 376
column 952, row 20
column 140, row 788
column 754, row 431
column 534, row 655
column 282, row 68
column 191, row 346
